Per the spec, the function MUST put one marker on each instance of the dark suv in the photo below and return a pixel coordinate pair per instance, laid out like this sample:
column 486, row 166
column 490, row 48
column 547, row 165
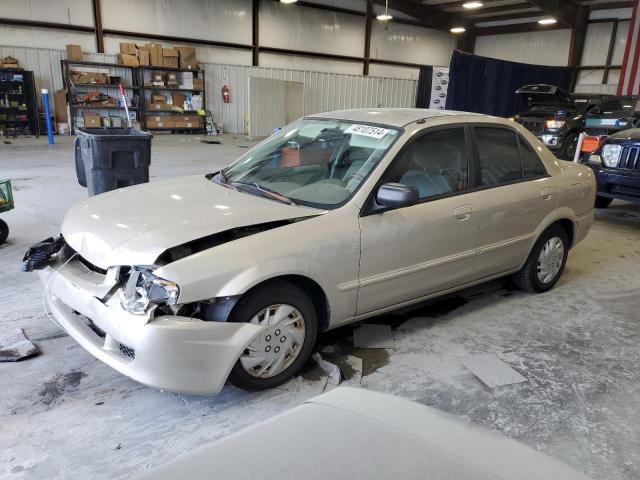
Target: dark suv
column 555, row 117
column 616, row 164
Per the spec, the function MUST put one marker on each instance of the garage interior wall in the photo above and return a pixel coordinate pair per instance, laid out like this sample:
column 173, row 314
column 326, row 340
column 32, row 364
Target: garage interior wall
column 323, row 91
column 281, row 27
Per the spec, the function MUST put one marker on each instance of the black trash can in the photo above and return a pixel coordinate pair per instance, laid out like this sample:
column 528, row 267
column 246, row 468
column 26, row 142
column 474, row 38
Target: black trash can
column 110, row 158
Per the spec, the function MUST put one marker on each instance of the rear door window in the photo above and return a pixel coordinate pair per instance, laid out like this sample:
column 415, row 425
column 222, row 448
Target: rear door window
column 532, row 166
column 499, row 156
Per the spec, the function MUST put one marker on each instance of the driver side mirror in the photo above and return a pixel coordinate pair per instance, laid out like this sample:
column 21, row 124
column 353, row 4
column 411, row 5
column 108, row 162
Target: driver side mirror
column 396, row 195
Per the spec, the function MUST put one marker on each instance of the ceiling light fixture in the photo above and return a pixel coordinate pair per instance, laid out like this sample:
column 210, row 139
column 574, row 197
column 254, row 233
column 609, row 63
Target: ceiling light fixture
column 547, row 21
column 472, row 5
column 458, row 30
column 384, row 17
column 288, row 1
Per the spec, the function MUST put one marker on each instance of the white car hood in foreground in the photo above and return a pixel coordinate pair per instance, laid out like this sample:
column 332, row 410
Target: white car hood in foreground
column 352, row 434
column 135, row 225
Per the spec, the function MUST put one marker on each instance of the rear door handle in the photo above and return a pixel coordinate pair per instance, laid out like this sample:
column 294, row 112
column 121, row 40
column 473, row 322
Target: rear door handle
column 463, row 212
column 546, row 193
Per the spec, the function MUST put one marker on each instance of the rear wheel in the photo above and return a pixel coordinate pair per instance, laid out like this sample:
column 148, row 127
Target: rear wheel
column 603, row 202
column 4, row 231
column 279, row 352
column 546, row 261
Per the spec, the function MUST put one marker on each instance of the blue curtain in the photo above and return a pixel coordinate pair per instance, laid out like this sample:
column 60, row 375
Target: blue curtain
column 487, row 85
column 423, row 95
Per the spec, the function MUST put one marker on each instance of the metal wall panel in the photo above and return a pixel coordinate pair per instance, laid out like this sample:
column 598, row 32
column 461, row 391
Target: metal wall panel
column 539, row 48
column 621, row 43
column 310, row 29
column 411, row 44
column 46, row 38
column 596, row 43
column 297, row 62
column 221, row 20
column 75, row 12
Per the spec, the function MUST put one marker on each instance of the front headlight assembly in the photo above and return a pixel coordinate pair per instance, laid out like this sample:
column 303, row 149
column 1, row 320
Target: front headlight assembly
column 143, row 290
column 611, row 155
column 554, row 124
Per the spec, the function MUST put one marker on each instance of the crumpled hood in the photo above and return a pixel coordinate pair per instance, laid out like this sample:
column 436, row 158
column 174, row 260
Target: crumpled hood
column 133, row 226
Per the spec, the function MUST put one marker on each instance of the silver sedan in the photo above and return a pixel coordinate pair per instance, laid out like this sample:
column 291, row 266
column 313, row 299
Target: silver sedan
column 187, row 283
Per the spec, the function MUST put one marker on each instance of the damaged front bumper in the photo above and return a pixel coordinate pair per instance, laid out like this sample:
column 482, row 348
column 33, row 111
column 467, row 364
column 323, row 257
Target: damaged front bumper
column 168, row 352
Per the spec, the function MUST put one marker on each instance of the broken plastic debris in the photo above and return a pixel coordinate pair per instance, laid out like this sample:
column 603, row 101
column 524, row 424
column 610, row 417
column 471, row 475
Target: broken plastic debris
column 332, row 371
column 492, row 371
column 373, row 336
column 15, row 346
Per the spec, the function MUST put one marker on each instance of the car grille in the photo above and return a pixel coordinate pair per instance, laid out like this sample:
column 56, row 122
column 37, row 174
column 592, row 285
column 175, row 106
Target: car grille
column 535, row 126
column 127, row 351
column 630, row 158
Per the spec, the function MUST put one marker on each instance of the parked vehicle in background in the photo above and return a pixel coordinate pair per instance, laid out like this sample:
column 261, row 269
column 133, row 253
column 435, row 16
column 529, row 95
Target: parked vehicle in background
column 339, row 216
column 554, row 116
column 613, row 115
column 616, row 164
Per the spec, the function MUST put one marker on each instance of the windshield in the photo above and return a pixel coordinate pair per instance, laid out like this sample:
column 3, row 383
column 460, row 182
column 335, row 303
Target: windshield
column 312, row 162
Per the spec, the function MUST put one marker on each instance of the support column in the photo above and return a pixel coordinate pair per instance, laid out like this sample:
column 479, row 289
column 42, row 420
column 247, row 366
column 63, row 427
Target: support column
column 367, row 39
column 97, row 21
column 255, row 18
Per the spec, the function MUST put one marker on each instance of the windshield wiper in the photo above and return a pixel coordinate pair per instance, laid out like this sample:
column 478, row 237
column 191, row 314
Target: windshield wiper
column 265, row 192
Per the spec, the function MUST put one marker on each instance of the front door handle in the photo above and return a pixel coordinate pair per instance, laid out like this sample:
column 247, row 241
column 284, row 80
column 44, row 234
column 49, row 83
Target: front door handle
column 463, row 212
column 546, row 193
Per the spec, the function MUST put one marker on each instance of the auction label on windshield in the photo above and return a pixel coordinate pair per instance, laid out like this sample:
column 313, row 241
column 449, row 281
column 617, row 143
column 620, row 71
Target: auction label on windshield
column 367, row 131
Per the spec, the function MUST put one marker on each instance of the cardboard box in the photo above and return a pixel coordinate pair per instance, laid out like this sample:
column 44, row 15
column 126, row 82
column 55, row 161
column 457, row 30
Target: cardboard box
column 116, row 122
column 144, row 56
column 91, row 120
column 170, row 57
column 172, row 79
column 60, row 105
column 183, row 124
column 155, row 54
column 178, row 99
column 128, row 48
column 128, row 60
column 160, row 122
column 10, row 62
column 197, row 84
column 158, row 98
column 158, row 106
column 89, row 78
column 157, row 77
column 188, row 57
column 74, row 52
column 189, row 118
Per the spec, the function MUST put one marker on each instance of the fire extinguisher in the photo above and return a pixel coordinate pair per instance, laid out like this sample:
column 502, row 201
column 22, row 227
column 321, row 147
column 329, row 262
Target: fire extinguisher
column 226, row 94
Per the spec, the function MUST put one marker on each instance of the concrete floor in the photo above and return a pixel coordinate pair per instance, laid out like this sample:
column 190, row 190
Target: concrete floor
column 64, row 415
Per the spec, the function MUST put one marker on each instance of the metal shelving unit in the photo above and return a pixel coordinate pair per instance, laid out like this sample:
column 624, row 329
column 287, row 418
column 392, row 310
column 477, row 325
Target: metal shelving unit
column 146, row 94
column 17, row 85
column 128, row 74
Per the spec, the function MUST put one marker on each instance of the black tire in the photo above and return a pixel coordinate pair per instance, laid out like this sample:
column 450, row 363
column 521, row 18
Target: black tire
column 527, row 278
column 276, row 292
column 569, row 146
column 603, row 202
column 4, row 231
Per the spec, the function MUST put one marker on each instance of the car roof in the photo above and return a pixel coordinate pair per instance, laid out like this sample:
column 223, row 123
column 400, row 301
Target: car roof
column 396, row 117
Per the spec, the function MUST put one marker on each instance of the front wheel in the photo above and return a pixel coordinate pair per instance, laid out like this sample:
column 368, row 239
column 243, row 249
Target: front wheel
column 280, row 351
column 4, row 231
column 546, row 261
column 603, row 202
